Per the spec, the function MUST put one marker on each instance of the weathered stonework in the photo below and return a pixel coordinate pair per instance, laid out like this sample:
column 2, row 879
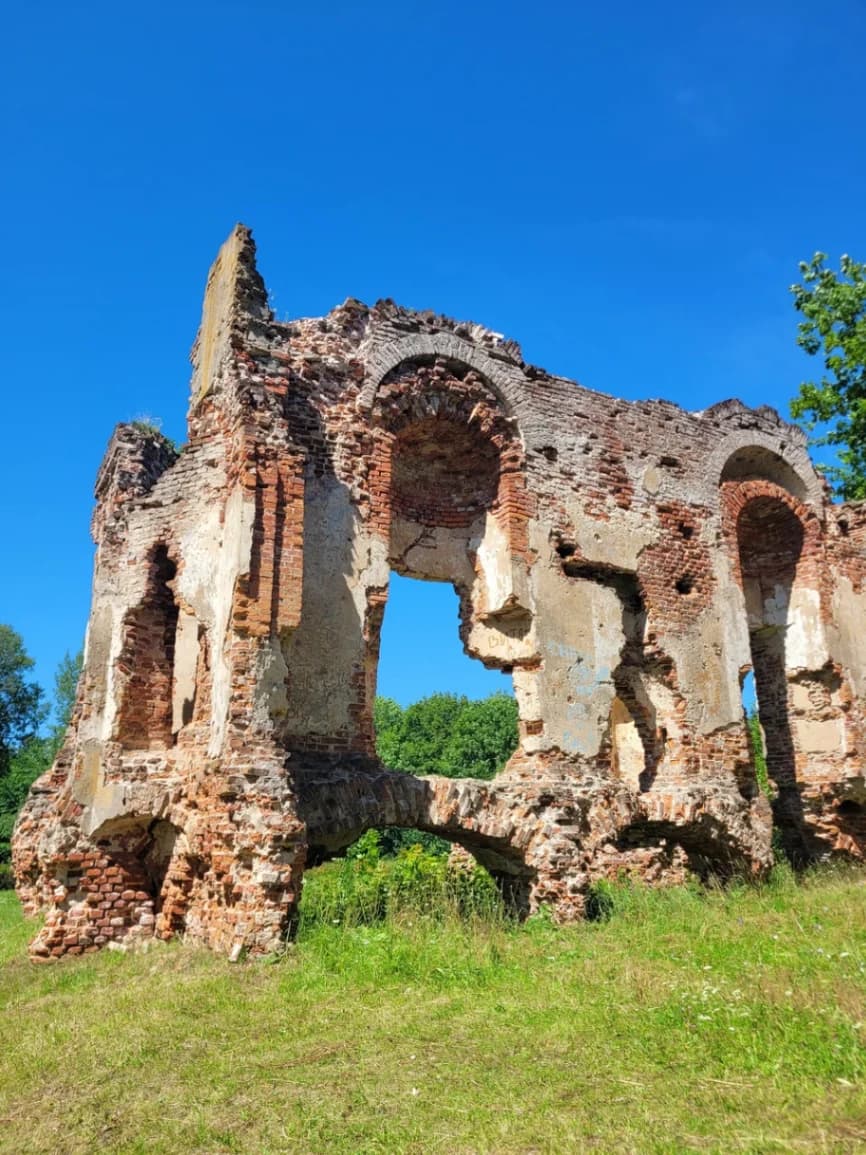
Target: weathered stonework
column 626, row 563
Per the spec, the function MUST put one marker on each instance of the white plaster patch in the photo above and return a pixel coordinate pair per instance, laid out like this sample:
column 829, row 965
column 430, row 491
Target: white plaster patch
column 203, row 563
column 580, row 652
column 805, row 643
column 826, row 737
column 233, row 560
column 494, row 562
column 849, row 613
column 271, row 699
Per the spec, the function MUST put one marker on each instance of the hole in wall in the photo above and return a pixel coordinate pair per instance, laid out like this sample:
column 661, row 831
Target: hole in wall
column 770, row 542
column 685, row 585
column 438, row 711
column 406, row 872
column 421, row 653
column 628, row 754
column 757, row 777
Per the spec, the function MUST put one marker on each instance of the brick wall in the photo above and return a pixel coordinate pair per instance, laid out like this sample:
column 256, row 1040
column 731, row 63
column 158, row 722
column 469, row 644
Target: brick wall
column 617, row 557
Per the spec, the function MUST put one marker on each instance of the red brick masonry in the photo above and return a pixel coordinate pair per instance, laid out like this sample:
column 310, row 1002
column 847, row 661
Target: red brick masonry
column 627, row 564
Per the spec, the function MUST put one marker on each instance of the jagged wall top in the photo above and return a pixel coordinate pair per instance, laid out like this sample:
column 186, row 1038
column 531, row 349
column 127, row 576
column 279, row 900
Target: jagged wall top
column 235, row 292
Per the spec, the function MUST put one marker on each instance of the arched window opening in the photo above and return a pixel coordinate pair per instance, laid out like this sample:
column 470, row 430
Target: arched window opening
column 770, row 542
column 395, row 874
column 449, row 478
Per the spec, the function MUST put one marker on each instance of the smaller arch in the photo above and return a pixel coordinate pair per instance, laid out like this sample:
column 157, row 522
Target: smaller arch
column 748, row 455
column 505, row 379
column 757, row 463
column 771, row 504
column 770, row 540
column 339, row 808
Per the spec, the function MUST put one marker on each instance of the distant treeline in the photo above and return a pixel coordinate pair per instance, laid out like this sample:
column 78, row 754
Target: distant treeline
column 447, row 734
column 31, row 729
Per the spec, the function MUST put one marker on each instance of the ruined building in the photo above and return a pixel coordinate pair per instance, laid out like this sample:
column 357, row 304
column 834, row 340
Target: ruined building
column 626, row 563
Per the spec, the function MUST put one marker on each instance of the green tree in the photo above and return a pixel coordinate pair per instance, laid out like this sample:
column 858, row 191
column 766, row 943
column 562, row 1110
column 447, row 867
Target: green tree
column 35, row 753
column 21, row 707
column 833, row 306
column 21, row 713
column 388, row 722
column 425, row 732
column 443, row 734
column 65, row 687
column 28, row 763
column 447, row 734
column 483, row 738
column 759, row 758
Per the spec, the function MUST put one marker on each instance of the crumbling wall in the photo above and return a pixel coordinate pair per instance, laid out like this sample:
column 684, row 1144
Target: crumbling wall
column 625, row 563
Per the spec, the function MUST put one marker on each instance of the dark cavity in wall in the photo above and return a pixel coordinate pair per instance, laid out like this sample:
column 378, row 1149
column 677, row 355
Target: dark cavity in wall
column 151, row 628
column 770, row 542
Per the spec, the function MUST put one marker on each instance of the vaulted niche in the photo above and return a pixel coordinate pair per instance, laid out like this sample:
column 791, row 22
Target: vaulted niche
column 442, row 474
column 770, row 543
column 145, row 717
column 161, row 659
column 149, row 856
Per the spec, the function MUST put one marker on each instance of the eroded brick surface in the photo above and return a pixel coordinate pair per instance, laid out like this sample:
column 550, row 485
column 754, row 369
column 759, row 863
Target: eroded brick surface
column 626, row 563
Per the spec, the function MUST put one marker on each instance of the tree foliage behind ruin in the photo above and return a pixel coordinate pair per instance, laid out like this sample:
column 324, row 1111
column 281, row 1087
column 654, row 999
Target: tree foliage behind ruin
column 833, row 306
column 25, row 754
column 447, row 734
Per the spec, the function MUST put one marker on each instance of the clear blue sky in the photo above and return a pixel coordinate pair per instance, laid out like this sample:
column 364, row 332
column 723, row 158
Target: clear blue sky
column 626, row 189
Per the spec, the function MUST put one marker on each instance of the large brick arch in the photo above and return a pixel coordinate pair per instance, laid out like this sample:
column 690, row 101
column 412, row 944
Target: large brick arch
column 736, row 496
column 431, row 408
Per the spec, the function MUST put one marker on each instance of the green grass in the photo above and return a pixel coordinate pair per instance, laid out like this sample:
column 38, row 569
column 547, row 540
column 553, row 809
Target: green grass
column 689, row 1021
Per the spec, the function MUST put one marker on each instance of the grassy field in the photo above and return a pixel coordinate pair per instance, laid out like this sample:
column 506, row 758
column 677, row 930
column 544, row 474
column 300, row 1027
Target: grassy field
column 720, row 1022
